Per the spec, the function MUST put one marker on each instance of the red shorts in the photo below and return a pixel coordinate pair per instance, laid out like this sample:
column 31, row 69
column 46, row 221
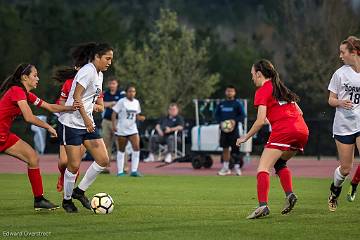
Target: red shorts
column 294, row 141
column 7, row 141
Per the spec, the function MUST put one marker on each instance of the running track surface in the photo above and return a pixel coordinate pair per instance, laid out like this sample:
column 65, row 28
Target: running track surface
column 300, row 167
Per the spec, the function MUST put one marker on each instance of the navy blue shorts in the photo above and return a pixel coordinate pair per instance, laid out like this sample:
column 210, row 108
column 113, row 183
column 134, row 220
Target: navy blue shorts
column 75, row 136
column 347, row 139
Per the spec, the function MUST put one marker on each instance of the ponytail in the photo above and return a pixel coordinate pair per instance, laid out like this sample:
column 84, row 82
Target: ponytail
column 280, row 91
column 61, row 74
column 15, row 78
column 85, row 52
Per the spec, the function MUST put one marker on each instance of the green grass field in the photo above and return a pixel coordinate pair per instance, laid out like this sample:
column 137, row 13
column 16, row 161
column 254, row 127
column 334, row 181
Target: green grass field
column 181, row 207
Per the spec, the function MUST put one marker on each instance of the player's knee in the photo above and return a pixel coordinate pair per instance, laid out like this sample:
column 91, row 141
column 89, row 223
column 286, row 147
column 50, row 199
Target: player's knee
column 73, row 166
column 280, row 164
column 33, row 160
column 103, row 161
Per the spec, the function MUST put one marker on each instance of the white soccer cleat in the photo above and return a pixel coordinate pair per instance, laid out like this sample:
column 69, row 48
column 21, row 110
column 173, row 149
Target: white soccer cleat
column 224, row 172
column 150, row 158
column 238, row 172
column 168, row 158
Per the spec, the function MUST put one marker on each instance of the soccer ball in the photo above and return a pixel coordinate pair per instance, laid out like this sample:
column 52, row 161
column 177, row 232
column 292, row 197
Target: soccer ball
column 102, row 203
column 227, row 126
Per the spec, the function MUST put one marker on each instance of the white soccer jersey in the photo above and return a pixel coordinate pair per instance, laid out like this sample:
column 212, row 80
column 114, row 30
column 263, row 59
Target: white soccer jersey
column 346, row 84
column 127, row 111
column 92, row 81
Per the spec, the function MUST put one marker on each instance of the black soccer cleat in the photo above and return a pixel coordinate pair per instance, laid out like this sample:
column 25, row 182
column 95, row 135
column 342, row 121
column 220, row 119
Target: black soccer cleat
column 69, row 206
column 333, row 198
column 44, row 204
column 290, row 202
column 79, row 195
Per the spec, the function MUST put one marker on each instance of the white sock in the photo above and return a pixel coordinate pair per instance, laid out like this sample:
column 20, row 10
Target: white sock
column 135, row 158
column 338, row 178
column 237, row 166
column 120, row 161
column 226, row 164
column 90, row 176
column 69, row 182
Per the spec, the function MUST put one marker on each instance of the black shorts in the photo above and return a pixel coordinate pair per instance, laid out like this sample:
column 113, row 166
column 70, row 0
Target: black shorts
column 229, row 139
column 347, row 139
column 75, row 136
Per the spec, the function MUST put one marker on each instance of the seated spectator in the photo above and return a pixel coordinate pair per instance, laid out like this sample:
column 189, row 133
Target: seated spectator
column 164, row 133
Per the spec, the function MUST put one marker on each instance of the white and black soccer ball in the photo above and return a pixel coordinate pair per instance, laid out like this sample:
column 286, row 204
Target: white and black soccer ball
column 102, row 203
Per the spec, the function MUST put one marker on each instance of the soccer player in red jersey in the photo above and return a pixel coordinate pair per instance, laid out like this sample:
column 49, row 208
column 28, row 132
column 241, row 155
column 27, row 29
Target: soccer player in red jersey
column 66, row 76
column 277, row 104
column 353, row 185
column 15, row 98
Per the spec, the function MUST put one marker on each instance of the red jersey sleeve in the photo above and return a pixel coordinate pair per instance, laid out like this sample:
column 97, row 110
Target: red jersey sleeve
column 17, row 94
column 34, row 100
column 263, row 95
column 65, row 90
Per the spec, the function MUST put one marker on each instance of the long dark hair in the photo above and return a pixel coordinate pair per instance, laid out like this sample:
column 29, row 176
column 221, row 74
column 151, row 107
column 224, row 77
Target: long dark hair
column 85, row 52
column 15, row 78
column 280, row 91
column 61, row 74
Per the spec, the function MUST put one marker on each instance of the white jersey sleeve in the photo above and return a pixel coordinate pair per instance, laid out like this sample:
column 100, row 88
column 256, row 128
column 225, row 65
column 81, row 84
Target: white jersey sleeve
column 139, row 108
column 334, row 83
column 117, row 107
column 83, row 77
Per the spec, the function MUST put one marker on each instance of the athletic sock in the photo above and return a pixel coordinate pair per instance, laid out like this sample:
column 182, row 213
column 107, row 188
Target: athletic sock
column 135, row 158
column 226, row 165
column 338, row 178
column 120, row 161
column 356, row 178
column 286, row 180
column 263, row 186
column 69, row 182
column 90, row 176
column 36, row 181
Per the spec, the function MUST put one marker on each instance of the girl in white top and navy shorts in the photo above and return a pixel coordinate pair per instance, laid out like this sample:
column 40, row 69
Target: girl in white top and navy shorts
column 127, row 111
column 344, row 90
column 79, row 127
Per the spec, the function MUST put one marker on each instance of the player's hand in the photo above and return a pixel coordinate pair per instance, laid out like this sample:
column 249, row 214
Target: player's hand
column 114, row 129
column 52, row 132
column 89, row 125
column 167, row 130
column 161, row 133
column 141, row 118
column 97, row 108
column 241, row 140
column 347, row 104
column 77, row 105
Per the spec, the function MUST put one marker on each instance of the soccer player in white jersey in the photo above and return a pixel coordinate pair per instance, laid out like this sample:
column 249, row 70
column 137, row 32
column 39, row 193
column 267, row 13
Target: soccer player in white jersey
column 344, row 95
column 78, row 127
column 128, row 111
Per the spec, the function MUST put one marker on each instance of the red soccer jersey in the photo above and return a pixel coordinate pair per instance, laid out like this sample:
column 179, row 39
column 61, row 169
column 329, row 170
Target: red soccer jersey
column 9, row 108
column 284, row 117
column 65, row 90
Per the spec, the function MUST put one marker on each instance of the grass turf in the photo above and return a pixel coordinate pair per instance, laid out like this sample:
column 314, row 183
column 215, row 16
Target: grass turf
column 180, row 207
